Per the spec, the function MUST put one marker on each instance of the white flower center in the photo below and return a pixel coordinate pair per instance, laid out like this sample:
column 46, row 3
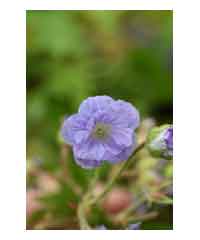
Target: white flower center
column 101, row 131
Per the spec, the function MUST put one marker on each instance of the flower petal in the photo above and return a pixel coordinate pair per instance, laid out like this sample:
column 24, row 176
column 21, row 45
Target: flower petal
column 111, row 146
column 126, row 114
column 90, row 150
column 87, row 164
column 123, row 155
column 123, row 136
column 71, row 128
column 81, row 136
column 93, row 104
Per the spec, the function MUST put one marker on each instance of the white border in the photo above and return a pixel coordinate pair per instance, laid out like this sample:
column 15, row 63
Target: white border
column 100, row 5
column 186, row 119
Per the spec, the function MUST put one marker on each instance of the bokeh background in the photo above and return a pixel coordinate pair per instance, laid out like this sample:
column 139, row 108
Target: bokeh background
column 75, row 54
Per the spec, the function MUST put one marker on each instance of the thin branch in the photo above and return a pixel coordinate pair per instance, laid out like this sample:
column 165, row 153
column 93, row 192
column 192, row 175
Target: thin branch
column 117, row 175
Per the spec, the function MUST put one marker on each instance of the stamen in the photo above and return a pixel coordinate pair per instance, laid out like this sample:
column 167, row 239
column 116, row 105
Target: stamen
column 101, row 131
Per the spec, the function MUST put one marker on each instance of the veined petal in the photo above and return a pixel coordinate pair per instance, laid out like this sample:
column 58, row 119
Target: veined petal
column 126, row 114
column 81, row 136
column 87, row 164
column 89, row 150
column 71, row 126
column 123, row 155
column 123, row 137
column 111, row 146
column 94, row 104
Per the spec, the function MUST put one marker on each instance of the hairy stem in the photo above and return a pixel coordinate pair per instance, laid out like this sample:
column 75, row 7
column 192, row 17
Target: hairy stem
column 117, row 175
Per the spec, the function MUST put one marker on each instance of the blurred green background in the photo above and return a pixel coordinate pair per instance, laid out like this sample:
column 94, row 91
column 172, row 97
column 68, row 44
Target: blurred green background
column 75, row 54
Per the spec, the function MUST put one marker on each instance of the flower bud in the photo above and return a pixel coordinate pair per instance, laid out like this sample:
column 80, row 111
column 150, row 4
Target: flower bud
column 160, row 141
column 117, row 200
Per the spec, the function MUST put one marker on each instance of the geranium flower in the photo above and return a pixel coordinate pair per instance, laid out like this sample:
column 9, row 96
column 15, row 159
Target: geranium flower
column 102, row 130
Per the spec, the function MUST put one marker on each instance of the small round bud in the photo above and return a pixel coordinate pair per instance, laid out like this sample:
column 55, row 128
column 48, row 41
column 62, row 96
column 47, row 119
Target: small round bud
column 160, row 141
column 117, row 200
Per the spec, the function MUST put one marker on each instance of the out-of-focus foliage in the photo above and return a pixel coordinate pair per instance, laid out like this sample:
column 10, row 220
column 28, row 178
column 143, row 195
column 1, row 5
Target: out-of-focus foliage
column 75, row 54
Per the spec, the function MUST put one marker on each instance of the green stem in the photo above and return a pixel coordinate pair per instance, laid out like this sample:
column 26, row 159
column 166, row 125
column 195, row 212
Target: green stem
column 117, row 175
column 82, row 206
column 87, row 198
column 144, row 217
column 81, row 216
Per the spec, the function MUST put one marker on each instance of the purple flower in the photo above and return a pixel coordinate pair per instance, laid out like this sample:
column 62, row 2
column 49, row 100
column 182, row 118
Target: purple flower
column 160, row 141
column 102, row 130
column 168, row 138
